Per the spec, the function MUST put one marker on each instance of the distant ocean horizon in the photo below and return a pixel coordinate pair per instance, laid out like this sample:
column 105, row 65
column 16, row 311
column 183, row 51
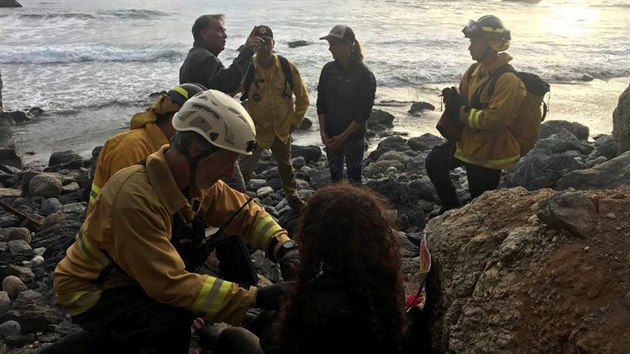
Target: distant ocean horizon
column 91, row 65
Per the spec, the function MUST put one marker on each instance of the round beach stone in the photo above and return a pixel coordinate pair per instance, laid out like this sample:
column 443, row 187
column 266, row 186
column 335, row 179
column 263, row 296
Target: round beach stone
column 13, row 286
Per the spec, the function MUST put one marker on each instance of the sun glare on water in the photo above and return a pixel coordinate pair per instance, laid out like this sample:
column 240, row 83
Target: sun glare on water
column 571, row 19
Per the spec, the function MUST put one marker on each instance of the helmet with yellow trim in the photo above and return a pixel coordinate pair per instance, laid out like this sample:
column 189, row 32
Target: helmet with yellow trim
column 220, row 119
column 181, row 93
column 491, row 29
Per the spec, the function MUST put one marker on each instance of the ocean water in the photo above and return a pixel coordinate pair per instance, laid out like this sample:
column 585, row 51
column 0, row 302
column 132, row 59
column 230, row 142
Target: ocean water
column 91, row 65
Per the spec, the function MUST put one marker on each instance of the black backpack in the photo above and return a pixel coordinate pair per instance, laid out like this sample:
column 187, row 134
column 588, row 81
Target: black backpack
column 532, row 111
column 248, row 80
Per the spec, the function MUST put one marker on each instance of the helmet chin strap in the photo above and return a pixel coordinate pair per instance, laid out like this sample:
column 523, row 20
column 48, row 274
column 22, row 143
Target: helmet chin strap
column 193, row 161
column 485, row 54
column 192, row 164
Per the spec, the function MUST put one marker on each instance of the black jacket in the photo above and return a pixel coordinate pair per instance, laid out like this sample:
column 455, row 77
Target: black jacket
column 203, row 67
column 345, row 95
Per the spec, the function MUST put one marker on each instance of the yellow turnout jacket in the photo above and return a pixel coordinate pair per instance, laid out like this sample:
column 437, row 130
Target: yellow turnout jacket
column 123, row 150
column 486, row 140
column 275, row 115
column 131, row 222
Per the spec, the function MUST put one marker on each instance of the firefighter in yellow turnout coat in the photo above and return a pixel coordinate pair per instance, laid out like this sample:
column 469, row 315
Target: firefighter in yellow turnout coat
column 486, row 139
column 274, row 111
column 486, row 145
column 148, row 131
column 124, row 276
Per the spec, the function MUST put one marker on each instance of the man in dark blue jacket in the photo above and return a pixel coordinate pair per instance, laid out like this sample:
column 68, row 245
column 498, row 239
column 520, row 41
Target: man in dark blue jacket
column 203, row 66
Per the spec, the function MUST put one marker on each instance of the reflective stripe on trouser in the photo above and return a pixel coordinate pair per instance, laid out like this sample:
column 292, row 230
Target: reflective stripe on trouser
column 352, row 152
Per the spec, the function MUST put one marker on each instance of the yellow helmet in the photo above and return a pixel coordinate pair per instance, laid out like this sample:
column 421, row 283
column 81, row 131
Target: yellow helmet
column 491, row 29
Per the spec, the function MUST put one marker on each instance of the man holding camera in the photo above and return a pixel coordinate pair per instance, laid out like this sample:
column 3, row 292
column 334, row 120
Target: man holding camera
column 203, row 66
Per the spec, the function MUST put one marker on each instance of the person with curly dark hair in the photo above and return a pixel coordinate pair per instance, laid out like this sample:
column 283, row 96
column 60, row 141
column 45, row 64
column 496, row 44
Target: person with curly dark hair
column 348, row 294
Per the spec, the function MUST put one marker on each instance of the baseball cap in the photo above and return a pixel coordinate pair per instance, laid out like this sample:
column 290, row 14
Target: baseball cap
column 264, row 32
column 342, row 32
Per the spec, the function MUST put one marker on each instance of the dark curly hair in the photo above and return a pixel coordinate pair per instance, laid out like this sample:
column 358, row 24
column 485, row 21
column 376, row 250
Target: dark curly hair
column 347, row 239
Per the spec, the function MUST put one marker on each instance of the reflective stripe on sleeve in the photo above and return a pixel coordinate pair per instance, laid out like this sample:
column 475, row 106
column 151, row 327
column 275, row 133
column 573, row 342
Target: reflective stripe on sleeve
column 263, row 232
column 79, row 302
column 94, row 192
column 211, row 297
column 498, row 164
column 88, row 252
column 473, row 118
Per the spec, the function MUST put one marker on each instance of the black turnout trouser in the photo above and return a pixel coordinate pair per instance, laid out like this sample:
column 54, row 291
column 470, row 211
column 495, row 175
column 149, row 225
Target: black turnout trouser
column 441, row 160
column 127, row 320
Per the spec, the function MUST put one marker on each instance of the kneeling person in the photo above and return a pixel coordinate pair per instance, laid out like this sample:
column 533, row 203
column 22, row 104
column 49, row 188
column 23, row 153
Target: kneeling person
column 123, row 280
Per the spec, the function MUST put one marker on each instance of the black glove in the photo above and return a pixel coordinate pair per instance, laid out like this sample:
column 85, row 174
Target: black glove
column 453, row 101
column 289, row 263
column 269, row 297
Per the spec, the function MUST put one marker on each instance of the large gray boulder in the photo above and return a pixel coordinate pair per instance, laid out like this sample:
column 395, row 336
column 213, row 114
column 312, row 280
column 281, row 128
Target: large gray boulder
column 551, row 127
column 9, row 3
column 502, row 281
column 621, row 122
column 609, row 174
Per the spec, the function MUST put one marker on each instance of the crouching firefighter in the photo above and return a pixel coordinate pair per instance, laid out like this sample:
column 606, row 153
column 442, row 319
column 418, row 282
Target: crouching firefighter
column 124, row 282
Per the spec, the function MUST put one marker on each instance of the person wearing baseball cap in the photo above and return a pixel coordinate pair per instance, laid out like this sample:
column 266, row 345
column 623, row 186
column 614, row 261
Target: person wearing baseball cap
column 345, row 96
column 278, row 100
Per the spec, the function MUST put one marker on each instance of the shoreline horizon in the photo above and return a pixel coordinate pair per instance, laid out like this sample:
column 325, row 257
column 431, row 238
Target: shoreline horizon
column 35, row 144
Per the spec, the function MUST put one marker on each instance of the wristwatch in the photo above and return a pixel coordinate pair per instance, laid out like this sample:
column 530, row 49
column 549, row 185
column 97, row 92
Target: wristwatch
column 286, row 246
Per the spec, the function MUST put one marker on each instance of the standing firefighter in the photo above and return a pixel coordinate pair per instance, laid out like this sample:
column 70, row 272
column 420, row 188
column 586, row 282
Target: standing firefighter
column 123, row 280
column 487, row 144
column 270, row 84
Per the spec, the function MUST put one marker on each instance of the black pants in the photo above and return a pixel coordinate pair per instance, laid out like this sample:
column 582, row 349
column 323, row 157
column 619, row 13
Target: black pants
column 127, row 320
column 441, row 160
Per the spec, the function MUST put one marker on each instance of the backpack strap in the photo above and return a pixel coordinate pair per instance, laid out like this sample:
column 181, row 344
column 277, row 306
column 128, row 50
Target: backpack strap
column 247, row 80
column 491, row 84
column 288, row 76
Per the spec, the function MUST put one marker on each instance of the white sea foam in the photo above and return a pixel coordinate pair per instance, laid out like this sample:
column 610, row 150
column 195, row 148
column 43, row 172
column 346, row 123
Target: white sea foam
column 75, row 54
column 68, row 56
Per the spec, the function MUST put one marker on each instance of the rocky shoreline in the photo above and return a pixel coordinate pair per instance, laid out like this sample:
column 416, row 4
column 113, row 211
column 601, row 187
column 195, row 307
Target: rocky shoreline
column 569, row 192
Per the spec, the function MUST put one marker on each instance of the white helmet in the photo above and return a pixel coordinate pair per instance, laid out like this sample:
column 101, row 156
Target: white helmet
column 220, row 119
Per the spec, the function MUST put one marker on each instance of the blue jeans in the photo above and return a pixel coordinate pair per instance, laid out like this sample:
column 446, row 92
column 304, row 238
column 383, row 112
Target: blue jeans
column 352, row 152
